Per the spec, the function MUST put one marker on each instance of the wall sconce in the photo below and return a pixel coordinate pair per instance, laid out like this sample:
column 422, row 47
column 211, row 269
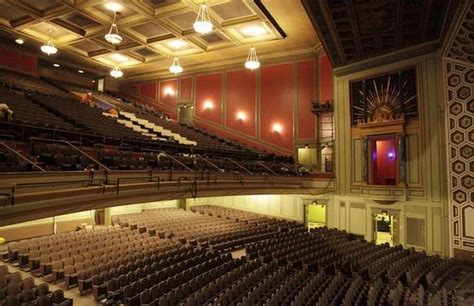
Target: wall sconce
column 391, row 155
column 241, row 116
column 208, row 105
column 277, row 128
column 169, row 91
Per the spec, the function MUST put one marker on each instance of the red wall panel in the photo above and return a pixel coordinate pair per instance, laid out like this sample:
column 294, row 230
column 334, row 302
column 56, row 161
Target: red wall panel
column 386, row 161
column 240, row 99
column 148, row 90
column 325, row 77
column 169, row 92
column 277, row 105
column 306, row 120
column 18, row 62
column 186, row 93
column 209, row 92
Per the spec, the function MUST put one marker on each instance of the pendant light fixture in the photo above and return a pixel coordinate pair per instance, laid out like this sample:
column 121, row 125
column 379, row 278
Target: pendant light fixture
column 113, row 36
column 49, row 47
column 176, row 66
column 116, row 72
column 252, row 62
column 203, row 24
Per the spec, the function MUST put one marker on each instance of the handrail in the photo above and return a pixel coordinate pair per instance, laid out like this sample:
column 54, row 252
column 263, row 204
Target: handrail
column 85, row 154
column 69, row 143
column 240, row 166
column 266, row 167
column 21, row 156
column 210, row 163
column 15, row 186
column 174, row 159
column 291, row 168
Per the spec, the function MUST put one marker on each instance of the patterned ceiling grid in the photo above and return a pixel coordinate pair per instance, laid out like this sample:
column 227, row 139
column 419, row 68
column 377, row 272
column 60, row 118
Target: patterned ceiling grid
column 358, row 29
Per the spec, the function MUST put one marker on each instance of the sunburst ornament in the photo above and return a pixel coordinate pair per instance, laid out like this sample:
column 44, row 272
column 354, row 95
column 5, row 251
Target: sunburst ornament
column 385, row 102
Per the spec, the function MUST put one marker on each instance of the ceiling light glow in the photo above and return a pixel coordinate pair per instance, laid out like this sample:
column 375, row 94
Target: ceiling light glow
column 49, row 47
column 56, row 65
column 177, row 44
column 19, row 41
column 113, row 6
column 254, row 30
column 80, row 71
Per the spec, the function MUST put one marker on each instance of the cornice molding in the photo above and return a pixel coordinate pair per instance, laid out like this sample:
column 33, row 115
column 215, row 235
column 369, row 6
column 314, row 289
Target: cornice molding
column 389, row 58
column 269, row 57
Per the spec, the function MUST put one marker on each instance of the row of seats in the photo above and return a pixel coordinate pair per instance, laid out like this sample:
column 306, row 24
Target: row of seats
column 16, row 291
column 169, row 257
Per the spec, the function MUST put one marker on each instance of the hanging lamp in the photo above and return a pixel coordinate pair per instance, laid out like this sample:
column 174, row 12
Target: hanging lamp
column 116, row 73
column 49, row 47
column 176, row 66
column 114, row 36
column 252, row 62
column 203, row 24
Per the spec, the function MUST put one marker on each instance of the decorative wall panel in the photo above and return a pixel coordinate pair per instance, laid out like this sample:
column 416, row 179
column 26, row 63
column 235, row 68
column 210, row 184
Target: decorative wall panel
column 241, row 101
column 208, row 103
column 459, row 84
column 305, row 90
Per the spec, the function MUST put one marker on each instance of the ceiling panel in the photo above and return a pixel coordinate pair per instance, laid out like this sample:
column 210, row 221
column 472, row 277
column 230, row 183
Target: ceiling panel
column 154, row 31
column 231, row 10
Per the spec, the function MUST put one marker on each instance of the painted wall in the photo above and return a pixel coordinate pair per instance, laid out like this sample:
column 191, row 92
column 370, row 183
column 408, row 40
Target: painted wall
column 289, row 207
column 18, row 62
column 244, row 105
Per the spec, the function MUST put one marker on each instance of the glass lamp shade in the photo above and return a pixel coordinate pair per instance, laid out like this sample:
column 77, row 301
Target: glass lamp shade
column 49, row 48
column 203, row 24
column 116, row 73
column 113, row 36
column 176, row 67
column 252, row 62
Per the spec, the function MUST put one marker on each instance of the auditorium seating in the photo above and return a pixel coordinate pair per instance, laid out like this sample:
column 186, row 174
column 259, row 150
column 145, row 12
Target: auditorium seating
column 9, row 162
column 16, row 290
column 175, row 257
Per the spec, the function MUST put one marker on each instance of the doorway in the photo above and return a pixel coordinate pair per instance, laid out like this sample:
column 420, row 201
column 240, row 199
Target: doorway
column 386, row 227
column 316, row 215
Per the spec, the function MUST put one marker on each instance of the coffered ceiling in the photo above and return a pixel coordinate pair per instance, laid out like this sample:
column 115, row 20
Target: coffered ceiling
column 352, row 30
column 154, row 31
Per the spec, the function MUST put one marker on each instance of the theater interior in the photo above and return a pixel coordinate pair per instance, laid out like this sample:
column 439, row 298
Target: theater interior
column 236, row 152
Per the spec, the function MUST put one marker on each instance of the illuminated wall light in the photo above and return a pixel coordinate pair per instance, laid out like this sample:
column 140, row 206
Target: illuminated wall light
column 80, row 71
column 277, row 128
column 169, row 91
column 56, row 65
column 391, row 155
column 241, row 116
column 208, row 105
column 19, row 41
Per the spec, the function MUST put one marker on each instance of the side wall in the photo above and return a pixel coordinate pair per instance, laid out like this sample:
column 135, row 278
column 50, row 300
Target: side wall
column 243, row 105
column 423, row 201
column 458, row 78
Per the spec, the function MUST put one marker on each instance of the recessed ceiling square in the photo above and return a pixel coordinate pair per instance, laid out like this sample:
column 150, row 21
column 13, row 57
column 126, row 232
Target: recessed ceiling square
column 158, row 3
column 184, row 21
column 212, row 38
column 80, row 20
column 41, row 5
column 10, row 12
column 145, row 52
column 150, row 30
column 87, row 46
column 232, row 9
column 176, row 44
